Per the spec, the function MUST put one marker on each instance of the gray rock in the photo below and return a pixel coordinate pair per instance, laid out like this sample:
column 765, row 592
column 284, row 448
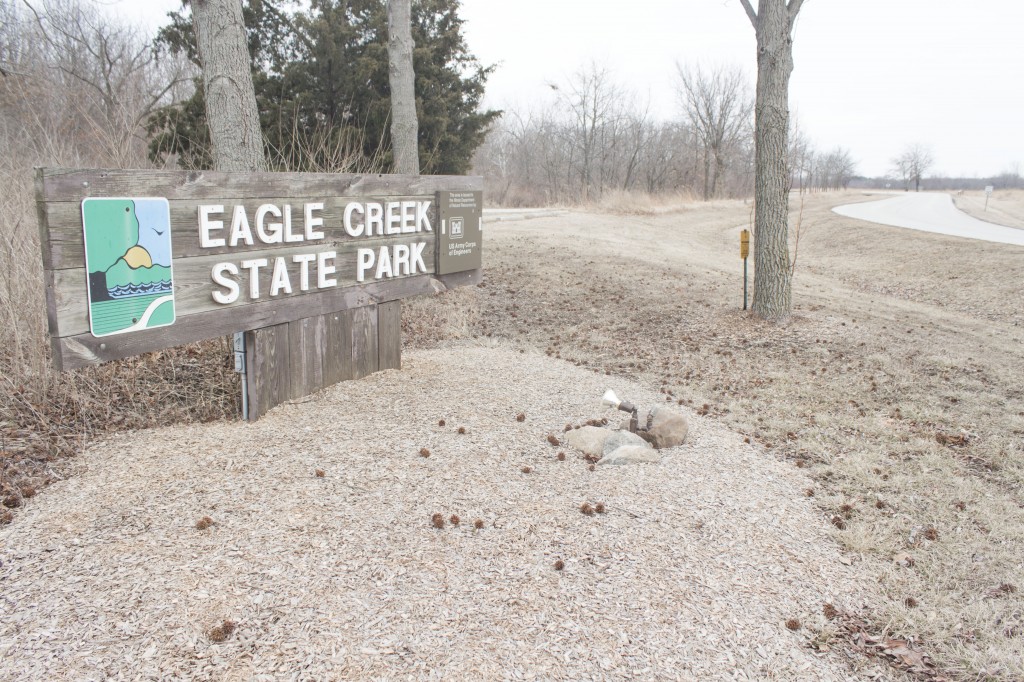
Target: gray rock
column 668, row 427
column 631, row 454
column 619, row 438
column 588, row 439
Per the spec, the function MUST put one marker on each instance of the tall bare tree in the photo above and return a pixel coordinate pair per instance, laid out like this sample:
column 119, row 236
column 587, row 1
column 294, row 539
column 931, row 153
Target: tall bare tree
column 912, row 164
column 231, row 110
column 594, row 104
column 717, row 106
column 773, row 25
column 404, row 126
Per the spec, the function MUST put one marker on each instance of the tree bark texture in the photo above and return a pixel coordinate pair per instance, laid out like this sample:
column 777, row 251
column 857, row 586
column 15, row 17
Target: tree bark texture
column 773, row 24
column 404, row 126
column 231, row 110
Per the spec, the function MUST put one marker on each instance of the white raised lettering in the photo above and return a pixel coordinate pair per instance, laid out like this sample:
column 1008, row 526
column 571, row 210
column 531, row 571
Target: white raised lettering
column 383, row 264
column 310, row 223
column 240, row 227
column 364, row 261
column 408, row 217
column 279, row 280
column 274, row 235
column 374, row 219
column 401, row 258
column 221, row 279
column 350, row 229
column 423, row 216
column 206, row 226
column 304, row 259
column 393, row 216
column 323, row 269
column 416, row 258
column 253, row 266
column 288, row 236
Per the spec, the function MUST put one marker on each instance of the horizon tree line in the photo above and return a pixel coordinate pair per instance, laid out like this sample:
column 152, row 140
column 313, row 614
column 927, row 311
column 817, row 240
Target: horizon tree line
column 593, row 136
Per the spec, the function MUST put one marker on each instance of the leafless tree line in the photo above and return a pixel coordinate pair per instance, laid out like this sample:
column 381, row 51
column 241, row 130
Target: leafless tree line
column 812, row 170
column 76, row 87
column 595, row 136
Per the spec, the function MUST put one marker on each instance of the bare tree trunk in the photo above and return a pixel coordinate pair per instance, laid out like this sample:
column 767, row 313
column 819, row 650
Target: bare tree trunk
column 773, row 24
column 231, row 110
column 404, row 126
column 707, row 174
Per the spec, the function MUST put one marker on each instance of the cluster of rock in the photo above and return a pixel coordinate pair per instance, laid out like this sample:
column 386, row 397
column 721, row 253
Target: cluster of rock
column 662, row 428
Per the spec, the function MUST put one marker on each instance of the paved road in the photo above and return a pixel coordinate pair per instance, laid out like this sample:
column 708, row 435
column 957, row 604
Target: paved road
column 931, row 213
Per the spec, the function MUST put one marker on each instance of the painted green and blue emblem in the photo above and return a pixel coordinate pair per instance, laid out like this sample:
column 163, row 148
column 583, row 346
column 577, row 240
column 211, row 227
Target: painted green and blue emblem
column 128, row 261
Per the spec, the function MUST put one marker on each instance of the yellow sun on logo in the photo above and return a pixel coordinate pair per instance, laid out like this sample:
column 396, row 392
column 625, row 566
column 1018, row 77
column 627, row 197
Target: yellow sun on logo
column 138, row 257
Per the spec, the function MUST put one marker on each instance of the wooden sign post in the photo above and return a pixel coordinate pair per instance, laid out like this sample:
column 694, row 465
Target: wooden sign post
column 744, row 252
column 310, row 266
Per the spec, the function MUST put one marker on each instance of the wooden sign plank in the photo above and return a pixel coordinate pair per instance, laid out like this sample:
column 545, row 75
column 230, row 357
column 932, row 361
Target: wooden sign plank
column 389, row 334
column 337, row 356
column 355, row 343
column 267, row 351
column 351, row 241
column 365, row 353
column 85, row 349
column 305, row 340
column 64, row 225
column 193, row 285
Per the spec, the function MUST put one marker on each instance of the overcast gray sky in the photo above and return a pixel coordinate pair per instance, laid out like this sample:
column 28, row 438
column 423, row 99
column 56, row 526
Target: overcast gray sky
column 871, row 75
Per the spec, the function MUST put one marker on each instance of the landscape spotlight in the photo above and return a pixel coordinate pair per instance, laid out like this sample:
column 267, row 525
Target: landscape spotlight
column 611, row 400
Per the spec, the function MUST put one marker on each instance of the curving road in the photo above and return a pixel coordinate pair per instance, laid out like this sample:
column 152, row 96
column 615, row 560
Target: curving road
column 930, row 213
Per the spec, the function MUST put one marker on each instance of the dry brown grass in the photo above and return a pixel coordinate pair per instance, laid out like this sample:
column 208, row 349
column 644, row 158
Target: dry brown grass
column 633, row 202
column 431, row 318
column 897, row 385
column 1005, row 206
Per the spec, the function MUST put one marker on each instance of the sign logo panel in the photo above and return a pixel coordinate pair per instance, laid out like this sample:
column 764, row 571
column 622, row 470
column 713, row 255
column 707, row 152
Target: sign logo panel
column 128, row 262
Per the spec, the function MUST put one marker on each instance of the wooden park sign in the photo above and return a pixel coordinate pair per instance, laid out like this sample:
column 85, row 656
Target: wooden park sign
column 310, row 266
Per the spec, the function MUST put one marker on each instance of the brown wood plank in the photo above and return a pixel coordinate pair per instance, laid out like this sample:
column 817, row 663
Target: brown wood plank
column 64, row 226
column 267, row 368
column 197, row 315
column 337, row 355
column 306, row 350
column 193, row 285
column 48, row 277
column 389, row 335
column 364, row 341
column 74, row 185
column 85, row 349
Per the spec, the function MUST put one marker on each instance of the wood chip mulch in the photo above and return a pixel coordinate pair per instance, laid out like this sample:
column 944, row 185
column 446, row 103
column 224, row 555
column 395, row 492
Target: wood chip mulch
column 691, row 573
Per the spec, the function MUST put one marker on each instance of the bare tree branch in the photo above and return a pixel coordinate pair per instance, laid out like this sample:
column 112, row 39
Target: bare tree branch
column 750, row 11
column 794, row 8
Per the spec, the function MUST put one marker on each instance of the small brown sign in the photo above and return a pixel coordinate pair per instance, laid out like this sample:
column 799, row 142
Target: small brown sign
column 744, row 244
column 460, row 231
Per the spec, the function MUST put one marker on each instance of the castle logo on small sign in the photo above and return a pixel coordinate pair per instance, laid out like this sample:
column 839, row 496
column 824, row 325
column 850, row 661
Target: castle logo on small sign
column 457, row 228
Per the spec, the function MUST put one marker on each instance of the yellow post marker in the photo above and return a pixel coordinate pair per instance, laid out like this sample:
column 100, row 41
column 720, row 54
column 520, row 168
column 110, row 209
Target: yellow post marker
column 744, row 252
